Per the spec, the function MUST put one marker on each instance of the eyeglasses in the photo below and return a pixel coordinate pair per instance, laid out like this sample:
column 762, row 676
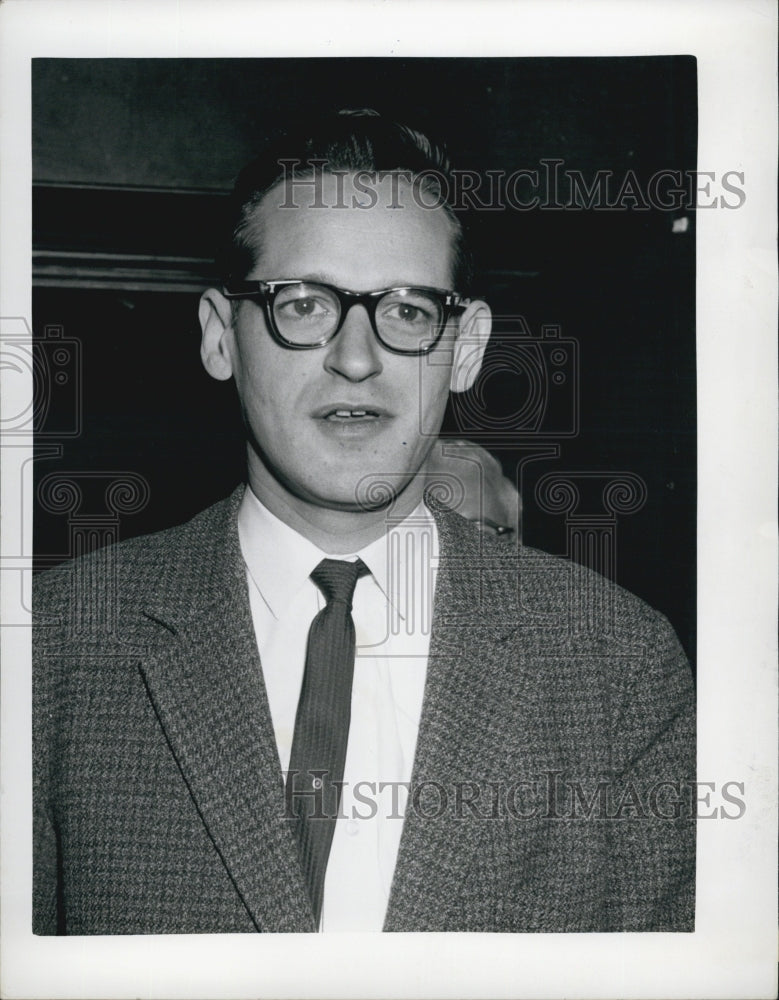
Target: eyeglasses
column 303, row 315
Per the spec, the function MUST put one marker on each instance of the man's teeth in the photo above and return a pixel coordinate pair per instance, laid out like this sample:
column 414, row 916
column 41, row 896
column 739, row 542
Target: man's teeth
column 351, row 413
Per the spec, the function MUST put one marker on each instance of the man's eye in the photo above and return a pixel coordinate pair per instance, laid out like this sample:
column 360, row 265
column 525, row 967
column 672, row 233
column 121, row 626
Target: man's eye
column 406, row 313
column 306, row 308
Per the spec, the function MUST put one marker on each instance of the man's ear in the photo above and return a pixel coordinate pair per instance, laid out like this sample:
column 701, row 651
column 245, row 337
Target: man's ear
column 216, row 323
column 471, row 343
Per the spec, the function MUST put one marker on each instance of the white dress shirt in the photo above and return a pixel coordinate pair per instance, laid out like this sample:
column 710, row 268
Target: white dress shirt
column 392, row 613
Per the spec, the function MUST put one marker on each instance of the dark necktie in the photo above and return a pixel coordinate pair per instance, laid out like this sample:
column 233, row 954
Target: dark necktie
column 316, row 765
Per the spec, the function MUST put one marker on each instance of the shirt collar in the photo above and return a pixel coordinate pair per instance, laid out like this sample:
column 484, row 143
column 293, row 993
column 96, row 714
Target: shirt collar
column 395, row 559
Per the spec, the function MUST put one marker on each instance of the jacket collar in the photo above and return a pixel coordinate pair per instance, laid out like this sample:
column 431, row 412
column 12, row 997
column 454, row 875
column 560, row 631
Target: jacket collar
column 204, row 569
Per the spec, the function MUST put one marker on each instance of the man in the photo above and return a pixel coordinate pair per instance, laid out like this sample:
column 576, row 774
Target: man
column 330, row 702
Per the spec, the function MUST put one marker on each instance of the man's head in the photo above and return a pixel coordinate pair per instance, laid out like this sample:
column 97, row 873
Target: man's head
column 349, row 141
column 343, row 398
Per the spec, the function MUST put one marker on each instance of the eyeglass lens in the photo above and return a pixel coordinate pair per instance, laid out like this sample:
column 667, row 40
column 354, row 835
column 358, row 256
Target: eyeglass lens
column 307, row 313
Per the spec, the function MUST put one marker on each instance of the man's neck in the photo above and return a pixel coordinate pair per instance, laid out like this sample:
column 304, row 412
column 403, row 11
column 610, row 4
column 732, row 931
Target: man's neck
column 336, row 532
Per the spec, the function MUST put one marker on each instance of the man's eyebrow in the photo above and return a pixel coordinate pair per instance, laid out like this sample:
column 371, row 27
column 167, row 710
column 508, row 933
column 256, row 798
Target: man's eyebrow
column 325, row 278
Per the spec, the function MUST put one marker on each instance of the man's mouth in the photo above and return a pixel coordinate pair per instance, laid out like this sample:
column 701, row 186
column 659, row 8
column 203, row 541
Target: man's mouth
column 352, row 415
column 343, row 413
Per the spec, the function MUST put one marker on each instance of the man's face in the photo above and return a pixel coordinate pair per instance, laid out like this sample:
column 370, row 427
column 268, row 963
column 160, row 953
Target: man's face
column 294, row 402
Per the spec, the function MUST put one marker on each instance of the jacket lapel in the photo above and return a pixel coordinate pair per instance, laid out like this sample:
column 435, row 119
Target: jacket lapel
column 210, row 698
column 466, row 664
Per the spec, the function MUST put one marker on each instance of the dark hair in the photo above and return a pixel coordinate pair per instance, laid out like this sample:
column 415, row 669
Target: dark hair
column 352, row 140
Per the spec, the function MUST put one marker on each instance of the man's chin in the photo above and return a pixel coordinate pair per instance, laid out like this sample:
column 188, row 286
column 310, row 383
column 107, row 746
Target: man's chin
column 347, row 490
column 368, row 495
column 371, row 493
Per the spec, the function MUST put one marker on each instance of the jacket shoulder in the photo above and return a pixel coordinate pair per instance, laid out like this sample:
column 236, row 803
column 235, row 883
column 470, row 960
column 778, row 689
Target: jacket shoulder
column 153, row 563
column 527, row 585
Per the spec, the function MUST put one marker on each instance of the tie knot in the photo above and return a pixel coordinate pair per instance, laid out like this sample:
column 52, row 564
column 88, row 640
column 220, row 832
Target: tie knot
column 337, row 578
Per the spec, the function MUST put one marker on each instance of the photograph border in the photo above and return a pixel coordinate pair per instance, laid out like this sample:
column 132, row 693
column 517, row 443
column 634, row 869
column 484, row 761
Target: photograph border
column 733, row 950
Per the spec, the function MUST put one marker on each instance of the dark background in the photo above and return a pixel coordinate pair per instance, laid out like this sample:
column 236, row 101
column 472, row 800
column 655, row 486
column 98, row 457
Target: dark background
column 131, row 163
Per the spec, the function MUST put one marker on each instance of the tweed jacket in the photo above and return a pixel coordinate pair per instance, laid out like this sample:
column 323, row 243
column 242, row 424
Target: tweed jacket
column 555, row 746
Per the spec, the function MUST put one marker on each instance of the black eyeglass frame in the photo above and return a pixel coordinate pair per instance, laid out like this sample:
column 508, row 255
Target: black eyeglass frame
column 265, row 292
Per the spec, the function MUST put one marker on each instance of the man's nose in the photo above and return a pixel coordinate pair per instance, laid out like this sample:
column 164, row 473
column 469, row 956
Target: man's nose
column 355, row 353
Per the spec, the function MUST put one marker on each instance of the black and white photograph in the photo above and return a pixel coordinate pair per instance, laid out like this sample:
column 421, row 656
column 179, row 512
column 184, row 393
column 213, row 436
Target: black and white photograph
column 364, row 486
